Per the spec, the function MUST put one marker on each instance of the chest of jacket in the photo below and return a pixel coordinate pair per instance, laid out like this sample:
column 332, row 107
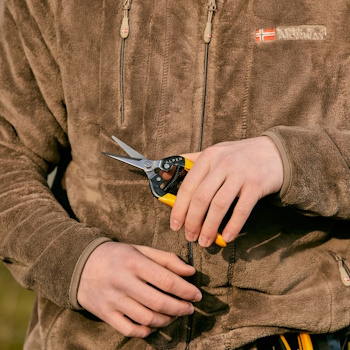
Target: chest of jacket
column 154, row 82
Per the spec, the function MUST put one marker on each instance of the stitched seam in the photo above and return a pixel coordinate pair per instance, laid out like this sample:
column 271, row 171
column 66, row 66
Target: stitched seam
column 51, row 326
column 247, row 82
column 100, row 57
column 336, row 146
column 161, row 113
column 162, row 105
column 319, row 255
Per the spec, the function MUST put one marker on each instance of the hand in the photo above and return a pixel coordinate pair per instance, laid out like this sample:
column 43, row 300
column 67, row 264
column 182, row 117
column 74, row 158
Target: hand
column 249, row 169
column 123, row 283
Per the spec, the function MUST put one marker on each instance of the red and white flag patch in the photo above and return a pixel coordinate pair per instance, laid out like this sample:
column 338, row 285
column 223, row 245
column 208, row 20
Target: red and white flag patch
column 265, row 34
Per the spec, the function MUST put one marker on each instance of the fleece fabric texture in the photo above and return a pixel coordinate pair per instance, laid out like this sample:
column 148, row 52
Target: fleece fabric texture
column 68, row 82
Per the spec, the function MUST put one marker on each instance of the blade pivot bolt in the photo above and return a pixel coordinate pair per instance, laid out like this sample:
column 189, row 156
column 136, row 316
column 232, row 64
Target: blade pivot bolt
column 148, row 164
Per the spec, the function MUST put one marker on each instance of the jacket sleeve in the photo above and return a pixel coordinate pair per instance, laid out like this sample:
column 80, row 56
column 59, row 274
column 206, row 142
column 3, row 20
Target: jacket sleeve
column 41, row 245
column 316, row 164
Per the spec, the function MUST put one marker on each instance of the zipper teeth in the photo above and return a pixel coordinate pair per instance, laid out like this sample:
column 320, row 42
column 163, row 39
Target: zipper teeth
column 206, row 60
column 122, row 76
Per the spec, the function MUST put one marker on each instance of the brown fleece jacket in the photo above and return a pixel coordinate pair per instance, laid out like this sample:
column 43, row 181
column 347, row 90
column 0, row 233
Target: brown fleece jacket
column 68, row 82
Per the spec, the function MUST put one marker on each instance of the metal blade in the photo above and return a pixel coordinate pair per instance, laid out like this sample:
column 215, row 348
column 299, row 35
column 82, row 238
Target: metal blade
column 130, row 151
column 138, row 163
column 146, row 165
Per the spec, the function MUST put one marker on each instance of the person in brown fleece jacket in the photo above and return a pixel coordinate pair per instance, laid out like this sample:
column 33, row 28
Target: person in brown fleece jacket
column 261, row 87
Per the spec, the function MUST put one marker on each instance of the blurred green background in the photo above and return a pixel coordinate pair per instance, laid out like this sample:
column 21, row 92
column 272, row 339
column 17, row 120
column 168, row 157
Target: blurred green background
column 16, row 305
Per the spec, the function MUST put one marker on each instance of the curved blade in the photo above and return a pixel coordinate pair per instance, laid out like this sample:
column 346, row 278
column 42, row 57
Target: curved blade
column 130, row 151
column 138, row 163
column 148, row 166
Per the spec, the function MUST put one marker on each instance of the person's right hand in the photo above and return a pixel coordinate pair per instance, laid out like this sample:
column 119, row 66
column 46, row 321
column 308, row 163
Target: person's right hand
column 130, row 287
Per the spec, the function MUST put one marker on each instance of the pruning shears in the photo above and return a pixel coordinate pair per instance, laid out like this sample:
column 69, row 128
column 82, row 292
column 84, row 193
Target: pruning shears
column 159, row 188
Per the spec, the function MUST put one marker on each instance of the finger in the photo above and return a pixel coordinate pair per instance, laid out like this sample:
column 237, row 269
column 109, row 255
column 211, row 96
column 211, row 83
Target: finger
column 123, row 325
column 192, row 180
column 247, row 200
column 200, row 203
column 218, row 208
column 169, row 282
column 142, row 315
column 158, row 301
column 167, row 259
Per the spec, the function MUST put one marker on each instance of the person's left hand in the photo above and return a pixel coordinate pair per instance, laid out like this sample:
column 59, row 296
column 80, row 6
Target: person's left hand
column 248, row 169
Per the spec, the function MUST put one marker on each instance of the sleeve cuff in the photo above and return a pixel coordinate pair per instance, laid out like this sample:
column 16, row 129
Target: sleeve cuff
column 73, row 289
column 287, row 169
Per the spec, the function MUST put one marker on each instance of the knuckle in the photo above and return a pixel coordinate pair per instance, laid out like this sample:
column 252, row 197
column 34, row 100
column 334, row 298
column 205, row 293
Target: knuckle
column 209, row 152
column 158, row 303
column 172, row 256
column 220, row 202
column 186, row 187
column 242, row 210
column 255, row 182
column 201, row 196
column 167, row 282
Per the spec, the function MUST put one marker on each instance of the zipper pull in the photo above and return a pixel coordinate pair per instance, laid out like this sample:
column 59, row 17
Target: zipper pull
column 344, row 270
column 124, row 29
column 208, row 31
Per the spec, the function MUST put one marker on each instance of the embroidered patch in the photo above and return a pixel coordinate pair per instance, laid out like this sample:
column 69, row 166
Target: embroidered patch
column 305, row 32
column 265, row 34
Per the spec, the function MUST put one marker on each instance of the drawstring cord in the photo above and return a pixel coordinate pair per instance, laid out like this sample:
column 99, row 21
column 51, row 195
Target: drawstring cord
column 207, row 38
column 124, row 29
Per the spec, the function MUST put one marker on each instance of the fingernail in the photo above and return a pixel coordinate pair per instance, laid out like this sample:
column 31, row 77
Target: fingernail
column 190, row 309
column 198, row 297
column 174, row 225
column 189, row 236
column 203, row 241
column 228, row 237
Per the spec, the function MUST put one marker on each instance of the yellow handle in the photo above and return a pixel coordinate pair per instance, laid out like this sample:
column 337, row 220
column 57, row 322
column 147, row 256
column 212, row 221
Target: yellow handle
column 188, row 164
column 285, row 343
column 169, row 199
column 304, row 341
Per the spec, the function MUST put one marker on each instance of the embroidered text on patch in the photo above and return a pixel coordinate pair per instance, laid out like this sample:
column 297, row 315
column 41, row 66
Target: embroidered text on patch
column 265, row 34
column 304, row 32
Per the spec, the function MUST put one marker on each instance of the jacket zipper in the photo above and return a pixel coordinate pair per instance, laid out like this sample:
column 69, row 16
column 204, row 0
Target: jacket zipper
column 207, row 38
column 124, row 33
column 343, row 270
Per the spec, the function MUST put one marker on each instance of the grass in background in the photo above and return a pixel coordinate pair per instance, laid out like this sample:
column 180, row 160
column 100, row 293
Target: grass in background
column 16, row 305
